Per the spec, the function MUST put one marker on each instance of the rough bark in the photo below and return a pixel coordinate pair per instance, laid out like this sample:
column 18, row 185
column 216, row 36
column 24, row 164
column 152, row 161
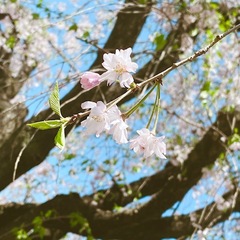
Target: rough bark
column 12, row 115
column 145, row 221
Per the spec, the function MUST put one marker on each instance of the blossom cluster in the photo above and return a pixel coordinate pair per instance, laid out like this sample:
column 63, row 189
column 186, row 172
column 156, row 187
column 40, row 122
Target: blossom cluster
column 119, row 67
column 148, row 144
column 101, row 118
column 27, row 43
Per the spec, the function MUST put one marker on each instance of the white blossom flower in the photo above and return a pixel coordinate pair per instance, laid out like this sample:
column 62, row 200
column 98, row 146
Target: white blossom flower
column 119, row 132
column 98, row 120
column 119, row 66
column 147, row 144
column 90, row 80
column 118, row 125
column 102, row 120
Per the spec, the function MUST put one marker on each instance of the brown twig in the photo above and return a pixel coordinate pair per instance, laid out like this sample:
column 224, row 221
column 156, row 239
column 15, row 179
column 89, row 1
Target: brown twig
column 189, row 59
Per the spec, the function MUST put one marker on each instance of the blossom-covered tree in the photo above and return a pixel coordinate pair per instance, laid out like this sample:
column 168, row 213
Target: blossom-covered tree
column 141, row 97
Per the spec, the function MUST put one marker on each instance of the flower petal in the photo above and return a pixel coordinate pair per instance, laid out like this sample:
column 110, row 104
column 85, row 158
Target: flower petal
column 88, row 104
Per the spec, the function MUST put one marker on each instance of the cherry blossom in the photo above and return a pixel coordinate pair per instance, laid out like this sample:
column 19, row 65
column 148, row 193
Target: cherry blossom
column 89, row 80
column 98, row 120
column 119, row 126
column 147, row 144
column 119, row 132
column 119, row 66
column 106, row 120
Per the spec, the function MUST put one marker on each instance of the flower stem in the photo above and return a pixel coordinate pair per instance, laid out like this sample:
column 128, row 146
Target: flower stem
column 137, row 105
column 157, row 107
column 153, row 111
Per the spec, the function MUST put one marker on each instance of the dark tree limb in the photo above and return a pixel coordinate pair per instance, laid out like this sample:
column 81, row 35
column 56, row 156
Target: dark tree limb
column 65, row 206
column 146, row 219
column 175, row 181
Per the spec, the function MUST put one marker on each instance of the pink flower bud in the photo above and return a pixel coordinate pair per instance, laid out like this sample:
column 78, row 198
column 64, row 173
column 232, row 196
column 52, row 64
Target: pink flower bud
column 90, row 80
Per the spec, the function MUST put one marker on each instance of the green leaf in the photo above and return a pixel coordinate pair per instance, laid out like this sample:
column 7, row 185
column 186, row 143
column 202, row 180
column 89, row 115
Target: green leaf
column 74, row 27
column 160, row 41
column 77, row 219
column 69, row 156
column 37, row 221
column 54, row 101
column 206, row 86
column 60, row 138
column 179, row 139
column 21, row 234
column 44, row 125
column 35, row 16
column 85, row 35
column 214, row 5
column 210, row 35
column 49, row 214
column 39, row 4
column 11, row 42
column 234, row 138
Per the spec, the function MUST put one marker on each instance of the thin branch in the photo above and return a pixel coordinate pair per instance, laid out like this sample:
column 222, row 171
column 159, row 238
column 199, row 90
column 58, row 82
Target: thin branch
column 202, row 51
column 20, row 154
column 162, row 74
column 61, row 54
column 92, row 43
column 17, row 161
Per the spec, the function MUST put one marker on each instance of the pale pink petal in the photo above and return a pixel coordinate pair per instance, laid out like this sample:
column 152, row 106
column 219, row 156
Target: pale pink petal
column 97, row 121
column 99, row 109
column 110, row 76
column 108, row 61
column 88, row 104
column 126, row 79
column 89, row 80
column 132, row 67
column 119, row 132
column 147, row 144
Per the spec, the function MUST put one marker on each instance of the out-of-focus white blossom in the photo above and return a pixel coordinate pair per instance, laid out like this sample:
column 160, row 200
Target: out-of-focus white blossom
column 222, row 204
column 235, row 146
column 119, row 66
column 202, row 234
column 62, row 6
column 147, row 144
